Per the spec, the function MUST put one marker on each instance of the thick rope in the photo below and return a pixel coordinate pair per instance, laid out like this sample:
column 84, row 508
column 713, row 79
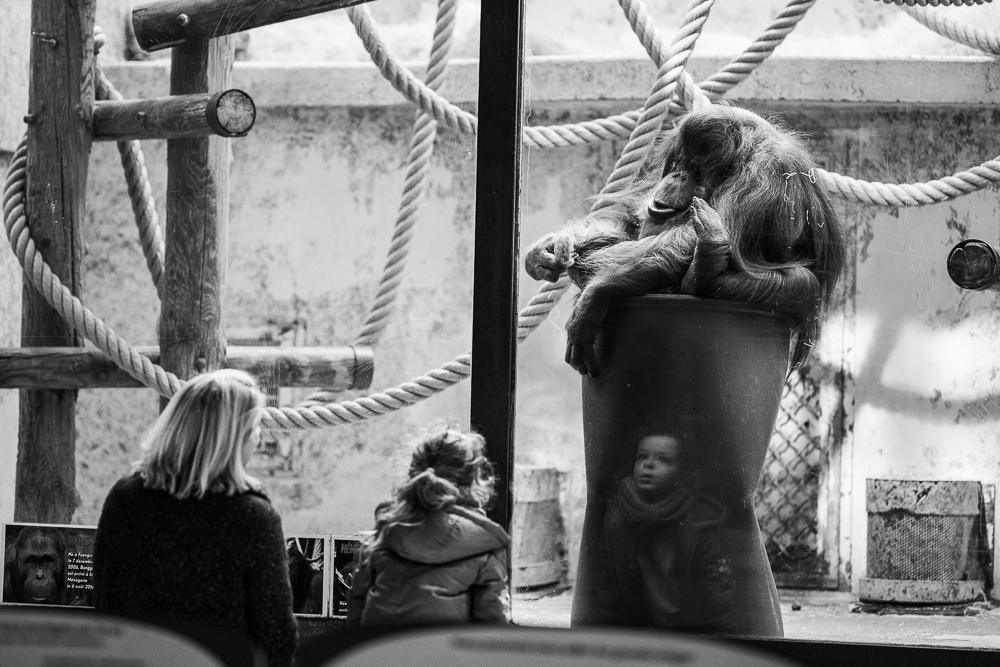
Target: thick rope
column 911, row 194
column 140, row 193
column 451, row 116
column 417, row 162
column 137, row 178
column 657, row 104
column 699, row 95
column 427, row 99
column 143, row 369
column 541, row 304
column 866, row 192
column 573, row 134
column 879, row 194
column 69, row 307
column 331, row 414
column 529, row 318
column 977, row 38
column 734, row 72
column 935, row 3
column 58, row 296
column 696, row 96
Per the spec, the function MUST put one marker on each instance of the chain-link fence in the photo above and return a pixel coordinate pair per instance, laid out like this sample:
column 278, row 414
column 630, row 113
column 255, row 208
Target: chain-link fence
column 789, row 490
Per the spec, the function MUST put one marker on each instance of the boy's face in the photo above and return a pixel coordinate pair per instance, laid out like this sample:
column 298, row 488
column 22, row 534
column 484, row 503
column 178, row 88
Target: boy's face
column 657, row 463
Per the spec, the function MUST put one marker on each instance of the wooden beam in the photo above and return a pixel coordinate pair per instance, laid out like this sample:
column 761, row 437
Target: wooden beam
column 166, row 23
column 60, row 99
column 498, row 190
column 194, row 277
column 230, row 113
column 343, row 367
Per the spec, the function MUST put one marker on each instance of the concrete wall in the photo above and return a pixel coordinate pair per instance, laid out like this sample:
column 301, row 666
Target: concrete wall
column 315, row 190
column 922, row 353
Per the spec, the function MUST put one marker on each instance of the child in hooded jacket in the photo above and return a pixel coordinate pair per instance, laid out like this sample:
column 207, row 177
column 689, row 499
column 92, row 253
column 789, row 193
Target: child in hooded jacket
column 434, row 557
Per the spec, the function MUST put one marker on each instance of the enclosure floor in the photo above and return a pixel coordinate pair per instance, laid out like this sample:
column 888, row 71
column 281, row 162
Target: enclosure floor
column 823, row 616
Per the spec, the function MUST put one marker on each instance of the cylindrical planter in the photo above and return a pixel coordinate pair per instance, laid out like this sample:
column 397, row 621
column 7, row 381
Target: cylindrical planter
column 709, row 373
column 538, row 536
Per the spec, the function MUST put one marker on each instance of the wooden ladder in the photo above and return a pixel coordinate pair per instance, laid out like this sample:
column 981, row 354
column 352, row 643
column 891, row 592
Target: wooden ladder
column 201, row 113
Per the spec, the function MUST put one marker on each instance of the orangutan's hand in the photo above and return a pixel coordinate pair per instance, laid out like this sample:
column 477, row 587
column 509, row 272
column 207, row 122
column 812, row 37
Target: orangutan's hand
column 549, row 257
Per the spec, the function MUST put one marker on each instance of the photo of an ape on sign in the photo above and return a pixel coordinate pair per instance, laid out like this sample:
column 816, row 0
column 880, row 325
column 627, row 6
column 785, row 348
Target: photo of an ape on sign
column 48, row 564
column 701, row 286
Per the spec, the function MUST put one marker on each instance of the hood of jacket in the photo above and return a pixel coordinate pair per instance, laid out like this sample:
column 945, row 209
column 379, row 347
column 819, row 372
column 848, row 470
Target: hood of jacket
column 447, row 535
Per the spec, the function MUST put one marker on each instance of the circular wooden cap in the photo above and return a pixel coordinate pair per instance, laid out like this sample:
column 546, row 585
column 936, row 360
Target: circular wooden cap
column 231, row 113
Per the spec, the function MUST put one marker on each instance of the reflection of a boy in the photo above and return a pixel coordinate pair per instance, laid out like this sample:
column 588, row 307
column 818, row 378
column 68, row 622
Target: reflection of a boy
column 664, row 546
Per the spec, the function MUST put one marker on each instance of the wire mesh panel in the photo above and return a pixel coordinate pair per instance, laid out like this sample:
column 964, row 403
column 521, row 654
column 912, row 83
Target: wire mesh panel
column 788, row 494
column 925, row 547
column 927, row 541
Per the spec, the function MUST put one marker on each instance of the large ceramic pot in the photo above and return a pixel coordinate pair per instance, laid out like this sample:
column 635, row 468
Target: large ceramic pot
column 710, row 373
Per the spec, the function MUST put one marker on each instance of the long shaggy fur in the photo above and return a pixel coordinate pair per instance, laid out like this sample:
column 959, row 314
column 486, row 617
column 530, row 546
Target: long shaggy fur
column 729, row 210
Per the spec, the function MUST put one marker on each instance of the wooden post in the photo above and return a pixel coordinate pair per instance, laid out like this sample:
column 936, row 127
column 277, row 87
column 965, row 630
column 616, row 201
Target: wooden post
column 60, row 103
column 191, row 336
column 498, row 190
column 165, row 23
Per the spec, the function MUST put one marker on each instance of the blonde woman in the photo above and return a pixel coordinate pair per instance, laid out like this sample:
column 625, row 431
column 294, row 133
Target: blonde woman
column 188, row 534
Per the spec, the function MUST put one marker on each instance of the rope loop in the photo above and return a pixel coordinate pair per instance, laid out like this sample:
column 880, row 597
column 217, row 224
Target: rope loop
column 978, row 38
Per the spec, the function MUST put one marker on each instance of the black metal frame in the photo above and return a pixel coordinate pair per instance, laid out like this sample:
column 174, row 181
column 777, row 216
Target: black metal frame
column 498, row 190
column 325, row 649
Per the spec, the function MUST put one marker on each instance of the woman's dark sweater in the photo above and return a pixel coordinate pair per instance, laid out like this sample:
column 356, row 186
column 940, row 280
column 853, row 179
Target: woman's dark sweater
column 219, row 559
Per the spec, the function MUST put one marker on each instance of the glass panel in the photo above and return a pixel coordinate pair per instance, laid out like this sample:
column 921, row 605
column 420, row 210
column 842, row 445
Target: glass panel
column 785, row 509
column 836, row 432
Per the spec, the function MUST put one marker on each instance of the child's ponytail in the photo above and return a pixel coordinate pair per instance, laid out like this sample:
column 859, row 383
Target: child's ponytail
column 448, row 467
column 430, row 491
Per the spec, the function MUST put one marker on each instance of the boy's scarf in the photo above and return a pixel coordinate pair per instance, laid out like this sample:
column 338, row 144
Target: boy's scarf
column 644, row 515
